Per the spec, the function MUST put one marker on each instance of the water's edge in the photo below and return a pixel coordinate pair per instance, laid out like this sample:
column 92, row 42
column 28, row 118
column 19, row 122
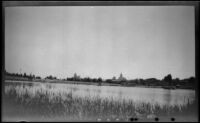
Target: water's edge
column 92, row 83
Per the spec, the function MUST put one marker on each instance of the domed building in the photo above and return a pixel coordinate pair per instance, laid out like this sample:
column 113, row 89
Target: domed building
column 121, row 78
column 76, row 77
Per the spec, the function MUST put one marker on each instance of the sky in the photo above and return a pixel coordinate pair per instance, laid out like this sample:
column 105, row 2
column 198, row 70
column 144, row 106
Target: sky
column 101, row 41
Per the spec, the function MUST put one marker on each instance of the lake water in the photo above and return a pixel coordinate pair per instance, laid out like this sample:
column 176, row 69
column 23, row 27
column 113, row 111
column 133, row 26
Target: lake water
column 137, row 94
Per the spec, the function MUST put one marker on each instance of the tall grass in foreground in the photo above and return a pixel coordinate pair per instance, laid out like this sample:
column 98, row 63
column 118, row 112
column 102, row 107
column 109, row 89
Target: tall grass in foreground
column 89, row 107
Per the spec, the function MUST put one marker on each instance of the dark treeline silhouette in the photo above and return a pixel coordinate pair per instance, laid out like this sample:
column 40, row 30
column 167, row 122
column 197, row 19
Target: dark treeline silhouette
column 20, row 76
column 50, row 77
column 166, row 81
column 86, row 79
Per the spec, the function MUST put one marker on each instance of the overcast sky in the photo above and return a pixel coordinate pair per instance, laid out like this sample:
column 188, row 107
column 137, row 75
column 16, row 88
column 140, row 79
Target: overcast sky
column 140, row 42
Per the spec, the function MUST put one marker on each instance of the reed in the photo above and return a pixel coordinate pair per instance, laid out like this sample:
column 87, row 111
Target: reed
column 46, row 104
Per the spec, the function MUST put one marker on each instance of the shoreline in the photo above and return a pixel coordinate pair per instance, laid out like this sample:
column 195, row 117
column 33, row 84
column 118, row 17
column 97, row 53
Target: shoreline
column 94, row 83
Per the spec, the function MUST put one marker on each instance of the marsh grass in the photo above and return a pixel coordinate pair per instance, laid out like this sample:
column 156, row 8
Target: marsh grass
column 48, row 105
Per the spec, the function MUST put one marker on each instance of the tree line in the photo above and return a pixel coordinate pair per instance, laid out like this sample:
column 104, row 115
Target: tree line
column 86, row 79
column 24, row 75
column 166, row 81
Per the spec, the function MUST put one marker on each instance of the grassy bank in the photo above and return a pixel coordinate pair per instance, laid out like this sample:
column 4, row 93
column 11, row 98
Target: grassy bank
column 42, row 107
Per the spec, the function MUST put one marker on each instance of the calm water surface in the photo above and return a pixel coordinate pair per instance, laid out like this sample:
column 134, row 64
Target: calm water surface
column 137, row 94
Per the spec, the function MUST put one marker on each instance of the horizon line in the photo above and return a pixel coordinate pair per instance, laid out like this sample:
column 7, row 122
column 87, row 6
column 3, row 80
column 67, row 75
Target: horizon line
column 100, row 77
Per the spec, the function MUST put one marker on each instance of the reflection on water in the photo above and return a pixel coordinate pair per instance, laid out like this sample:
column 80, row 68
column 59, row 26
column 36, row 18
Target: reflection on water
column 137, row 94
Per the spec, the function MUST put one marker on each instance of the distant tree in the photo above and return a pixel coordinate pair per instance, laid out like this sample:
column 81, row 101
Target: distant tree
column 94, row 80
column 191, row 81
column 38, row 77
column 176, row 81
column 84, row 79
column 108, row 80
column 151, row 81
column 25, row 75
column 89, row 79
column 30, row 77
column 142, row 82
column 99, row 79
column 69, row 79
column 49, row 77
column 6, row 73
column 168, row 79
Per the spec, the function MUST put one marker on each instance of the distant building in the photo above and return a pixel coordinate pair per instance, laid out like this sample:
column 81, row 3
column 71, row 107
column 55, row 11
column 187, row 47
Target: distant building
column 121, row 78
column 114, row 78
column 76, row 77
